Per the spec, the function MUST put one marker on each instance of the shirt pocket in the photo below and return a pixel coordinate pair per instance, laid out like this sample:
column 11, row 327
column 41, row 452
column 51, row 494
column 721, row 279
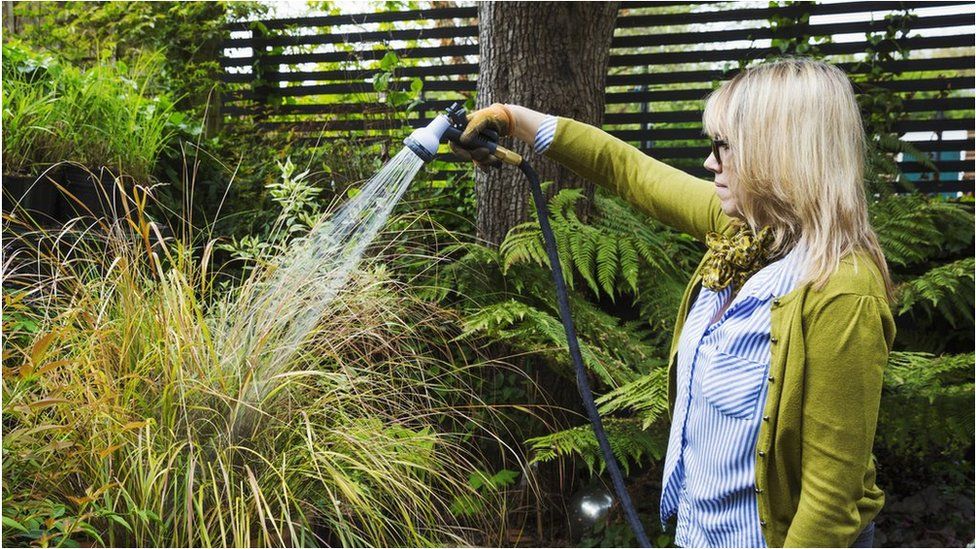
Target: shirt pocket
column 732, row 384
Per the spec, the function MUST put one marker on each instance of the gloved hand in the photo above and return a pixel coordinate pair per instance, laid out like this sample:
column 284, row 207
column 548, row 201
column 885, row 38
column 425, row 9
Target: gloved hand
column 496, row 117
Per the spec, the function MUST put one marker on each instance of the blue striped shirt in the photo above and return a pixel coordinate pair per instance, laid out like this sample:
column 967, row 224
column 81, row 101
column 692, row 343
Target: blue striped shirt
column 722, row 369
column 545, row 134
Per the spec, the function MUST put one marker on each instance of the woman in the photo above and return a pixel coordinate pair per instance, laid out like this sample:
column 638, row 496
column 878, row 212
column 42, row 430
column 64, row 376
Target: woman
column 783, row 333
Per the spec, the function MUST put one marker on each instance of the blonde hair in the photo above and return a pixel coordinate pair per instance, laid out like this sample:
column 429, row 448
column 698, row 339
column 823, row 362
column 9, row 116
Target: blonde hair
column 796, row 147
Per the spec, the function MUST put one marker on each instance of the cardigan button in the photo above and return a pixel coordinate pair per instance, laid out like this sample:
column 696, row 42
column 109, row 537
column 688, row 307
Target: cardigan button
column 773, row 339
column 765, row 418
column 762, row 523
column 762, row 454
column 776, row 302
column 772, row 379
column 758, row 490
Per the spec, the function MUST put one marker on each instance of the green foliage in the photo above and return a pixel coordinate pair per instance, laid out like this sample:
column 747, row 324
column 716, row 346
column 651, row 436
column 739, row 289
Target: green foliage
column 939, row 391
column 790, row 30
column 403, row 101
column 606, row 254
column 882, row 107
column 103, row 116
column 299, row 208
column 527, row 327
column 913, row 228
column 619, row 534
column 631, row 444
column 468, row 505
column 946, row 291
column 645, row 397
column 187, row 34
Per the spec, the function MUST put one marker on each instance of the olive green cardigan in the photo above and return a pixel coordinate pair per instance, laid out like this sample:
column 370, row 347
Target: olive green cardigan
column 814, row 466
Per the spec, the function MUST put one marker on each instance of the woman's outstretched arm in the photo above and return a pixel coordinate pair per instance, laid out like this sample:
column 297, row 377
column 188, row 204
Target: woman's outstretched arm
column 667, row 194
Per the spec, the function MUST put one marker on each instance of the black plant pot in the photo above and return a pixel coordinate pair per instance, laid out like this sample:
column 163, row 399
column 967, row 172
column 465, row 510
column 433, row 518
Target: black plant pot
column 37, row 196
column 90, row 192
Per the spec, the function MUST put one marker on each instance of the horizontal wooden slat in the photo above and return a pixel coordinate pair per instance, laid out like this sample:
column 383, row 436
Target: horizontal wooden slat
column 900, row 66
column 454, row 69
column 344, row 108
column 625, row 21
column 695, row 132
column 362, row 18
column 766, row 32
column 941, row 186
column 945, row 166
column 728, row 54
column 636, row 136
column 655, row 96
column 701, row 152
column 660, row 20
column 353, row 37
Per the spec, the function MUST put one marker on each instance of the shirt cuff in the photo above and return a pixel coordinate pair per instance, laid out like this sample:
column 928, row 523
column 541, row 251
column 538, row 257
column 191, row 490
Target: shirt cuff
column 545, row 134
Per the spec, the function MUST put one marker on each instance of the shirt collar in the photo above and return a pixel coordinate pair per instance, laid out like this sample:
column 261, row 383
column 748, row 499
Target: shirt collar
column 776, row 279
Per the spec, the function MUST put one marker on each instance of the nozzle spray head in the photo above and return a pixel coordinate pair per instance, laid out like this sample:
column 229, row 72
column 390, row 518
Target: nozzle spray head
column 424, row 141
column 450, row 125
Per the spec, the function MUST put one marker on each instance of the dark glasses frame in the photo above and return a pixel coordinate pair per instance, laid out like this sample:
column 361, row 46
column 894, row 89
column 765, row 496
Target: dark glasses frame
column 717, row 145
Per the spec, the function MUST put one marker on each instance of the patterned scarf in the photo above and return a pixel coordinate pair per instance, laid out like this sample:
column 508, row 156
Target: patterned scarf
column 734, row 259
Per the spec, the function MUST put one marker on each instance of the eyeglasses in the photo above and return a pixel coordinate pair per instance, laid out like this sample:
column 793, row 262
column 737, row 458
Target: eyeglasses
column 717, row 146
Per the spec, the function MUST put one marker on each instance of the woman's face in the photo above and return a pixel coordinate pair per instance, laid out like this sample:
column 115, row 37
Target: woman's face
column 724, row 180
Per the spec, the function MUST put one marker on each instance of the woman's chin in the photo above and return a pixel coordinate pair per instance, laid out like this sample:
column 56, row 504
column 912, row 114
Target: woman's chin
column 730, row 209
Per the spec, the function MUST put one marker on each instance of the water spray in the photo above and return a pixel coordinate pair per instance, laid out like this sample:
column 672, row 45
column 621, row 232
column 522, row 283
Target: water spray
column 449, row 126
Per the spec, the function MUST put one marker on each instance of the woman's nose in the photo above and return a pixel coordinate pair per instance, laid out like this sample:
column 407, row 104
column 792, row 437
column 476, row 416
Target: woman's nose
column 712, row 165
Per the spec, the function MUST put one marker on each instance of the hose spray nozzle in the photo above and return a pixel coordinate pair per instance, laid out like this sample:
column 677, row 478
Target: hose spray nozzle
column 450, row 125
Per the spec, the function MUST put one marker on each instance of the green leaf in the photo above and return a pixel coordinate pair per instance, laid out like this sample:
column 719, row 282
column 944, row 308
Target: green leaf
column 11, row 523
column 503, row 478
column 381, row 82
column 121, row 521
column 416, row 85
column 389, row 61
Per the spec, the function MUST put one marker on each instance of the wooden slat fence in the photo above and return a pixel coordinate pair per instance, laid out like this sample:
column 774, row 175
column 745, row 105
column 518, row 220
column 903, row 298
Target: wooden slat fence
column 313, row 76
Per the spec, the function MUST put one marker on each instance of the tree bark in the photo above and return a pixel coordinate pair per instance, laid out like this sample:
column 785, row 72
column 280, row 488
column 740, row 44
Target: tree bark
column 547, row 56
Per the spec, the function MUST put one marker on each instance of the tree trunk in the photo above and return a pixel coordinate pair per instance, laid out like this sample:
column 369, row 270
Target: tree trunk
column 550, row 57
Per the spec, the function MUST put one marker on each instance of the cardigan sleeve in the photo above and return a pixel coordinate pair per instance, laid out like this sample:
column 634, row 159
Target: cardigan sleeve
column 847, row 347
column 667, row 194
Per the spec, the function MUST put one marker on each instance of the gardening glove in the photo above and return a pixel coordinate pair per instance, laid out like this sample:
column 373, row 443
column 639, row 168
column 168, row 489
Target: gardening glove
column 495, row 118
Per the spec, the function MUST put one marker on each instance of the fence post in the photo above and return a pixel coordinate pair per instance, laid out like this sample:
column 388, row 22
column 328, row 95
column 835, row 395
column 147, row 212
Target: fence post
column 260, row 69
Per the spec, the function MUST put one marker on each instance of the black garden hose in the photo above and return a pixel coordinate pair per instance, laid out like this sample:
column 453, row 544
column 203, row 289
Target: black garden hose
column 581, row 380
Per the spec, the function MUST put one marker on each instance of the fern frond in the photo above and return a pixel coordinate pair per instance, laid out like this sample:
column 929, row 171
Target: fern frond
column 533, row 330
column 646, row 396
column 912, row 228
column 925, row 374
column 523, row 244
column 629, row 442
column 583, row 249
column 938, row 391
column 947, row 290
column 629, row 263
column 616, row 246
column 606, row 264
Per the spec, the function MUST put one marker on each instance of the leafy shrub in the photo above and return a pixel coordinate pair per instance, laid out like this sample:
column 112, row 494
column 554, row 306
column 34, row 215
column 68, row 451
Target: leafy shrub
column 136, row 409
